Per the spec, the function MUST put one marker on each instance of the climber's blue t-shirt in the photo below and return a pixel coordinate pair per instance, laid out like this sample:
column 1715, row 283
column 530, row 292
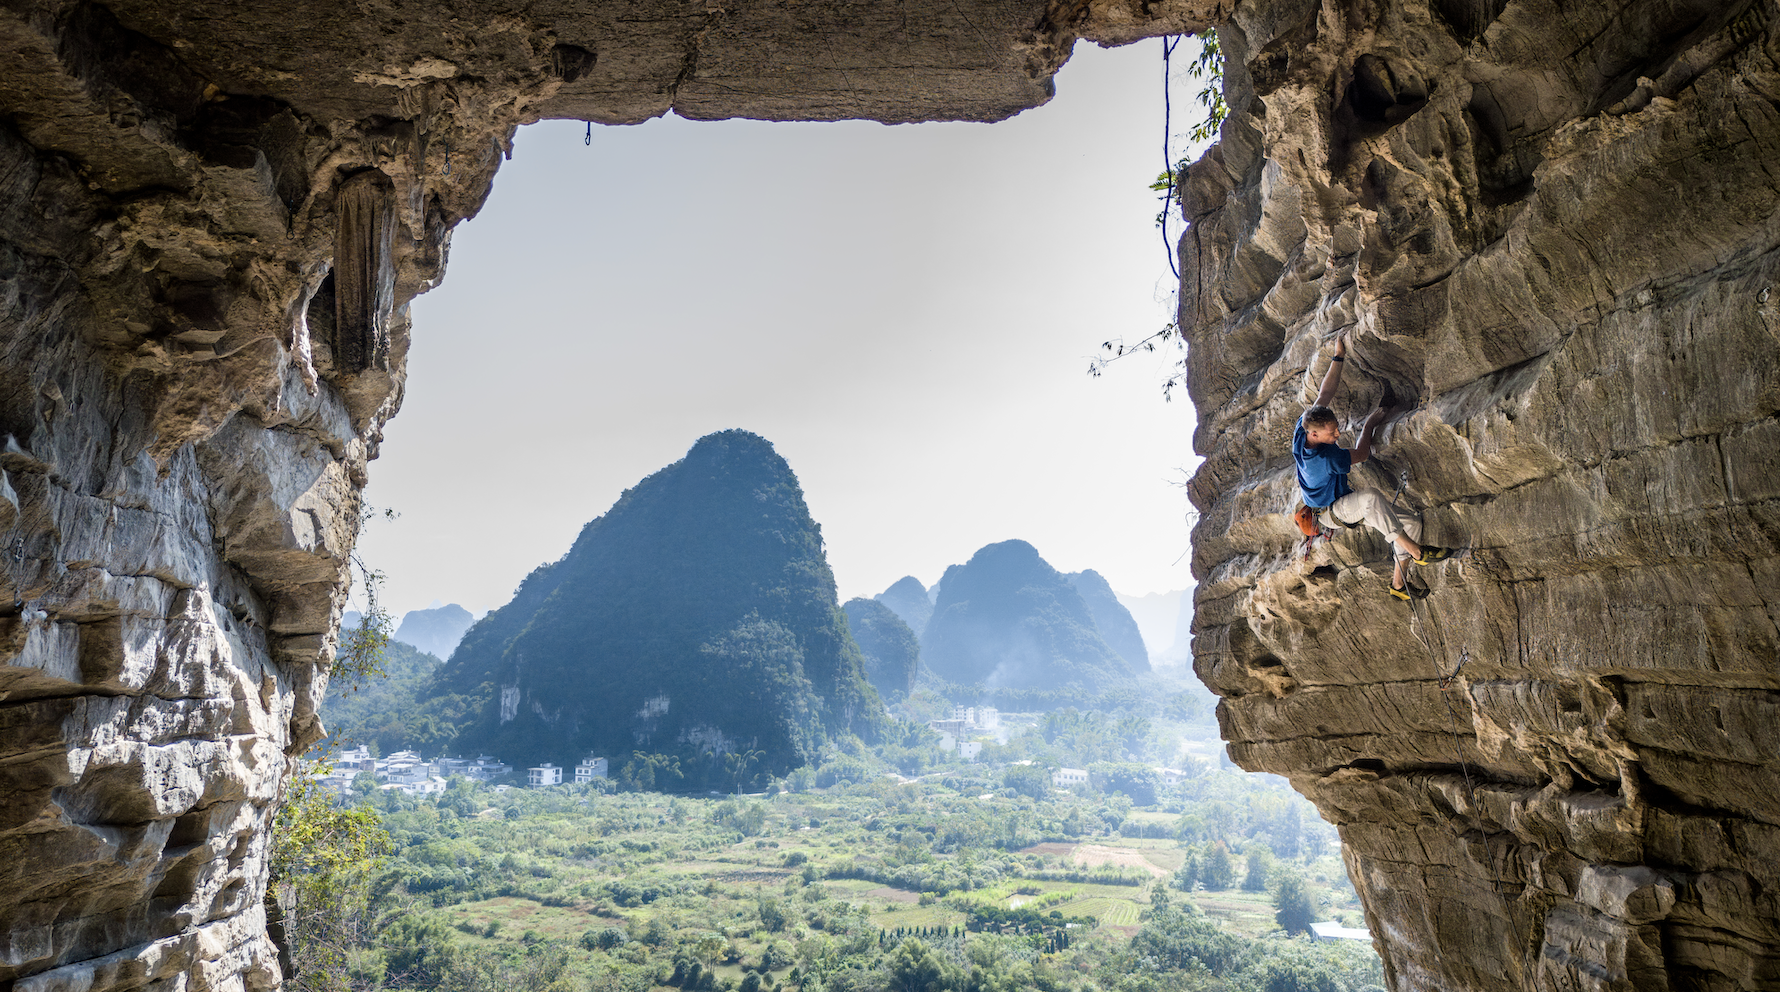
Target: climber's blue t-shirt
column 1322, row 469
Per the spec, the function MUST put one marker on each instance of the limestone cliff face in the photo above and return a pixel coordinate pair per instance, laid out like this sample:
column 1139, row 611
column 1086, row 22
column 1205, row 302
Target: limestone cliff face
column 1554, row 229
column 212, row 220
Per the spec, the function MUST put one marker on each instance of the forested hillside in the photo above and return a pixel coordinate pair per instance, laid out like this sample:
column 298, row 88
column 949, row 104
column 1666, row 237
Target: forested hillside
column 694, row 627
column 387, row 713
column 892, row 651
column 1115, row 623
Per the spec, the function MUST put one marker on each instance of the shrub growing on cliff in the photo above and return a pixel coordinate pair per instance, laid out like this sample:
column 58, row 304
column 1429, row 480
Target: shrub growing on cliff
column 317, row 904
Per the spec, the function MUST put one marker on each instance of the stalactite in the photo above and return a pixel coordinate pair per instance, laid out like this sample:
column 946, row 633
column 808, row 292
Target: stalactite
column 364, row 272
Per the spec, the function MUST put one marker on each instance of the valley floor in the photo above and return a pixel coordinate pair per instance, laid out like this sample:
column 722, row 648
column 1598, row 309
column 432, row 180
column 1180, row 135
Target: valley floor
column 943, row 883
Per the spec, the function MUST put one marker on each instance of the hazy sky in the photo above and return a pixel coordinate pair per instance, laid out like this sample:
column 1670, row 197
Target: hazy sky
column 906, row 312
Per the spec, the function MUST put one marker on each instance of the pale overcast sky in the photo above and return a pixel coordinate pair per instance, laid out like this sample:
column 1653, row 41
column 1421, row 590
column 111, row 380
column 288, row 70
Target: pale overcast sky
column 906, row 312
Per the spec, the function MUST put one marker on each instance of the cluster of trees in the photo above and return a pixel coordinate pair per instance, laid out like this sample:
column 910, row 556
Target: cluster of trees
column 1179, row 950
column 1240, row 811
column 392, row 713
column 703, row 770
column 1024, row 920
column 1214, row 869
column 1066, row 736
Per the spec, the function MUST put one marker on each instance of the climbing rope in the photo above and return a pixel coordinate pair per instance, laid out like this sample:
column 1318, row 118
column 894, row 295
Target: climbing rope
column 1326, row 534
column 1452, row 720
column 1452, row 723
column 1445, row 682
column 18, row 556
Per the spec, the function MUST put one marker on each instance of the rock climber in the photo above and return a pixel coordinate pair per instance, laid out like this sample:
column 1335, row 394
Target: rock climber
column 1323, row 466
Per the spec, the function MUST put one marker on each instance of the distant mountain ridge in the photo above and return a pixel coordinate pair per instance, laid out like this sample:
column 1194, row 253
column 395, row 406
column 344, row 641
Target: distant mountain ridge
column 435, row 631
column 1115, row 623
column 697, row 619
column 1007, row 619
column 908, row 599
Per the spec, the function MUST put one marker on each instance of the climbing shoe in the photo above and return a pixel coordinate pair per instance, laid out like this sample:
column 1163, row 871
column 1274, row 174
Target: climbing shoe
column 1402, row 594
column 1432, row 554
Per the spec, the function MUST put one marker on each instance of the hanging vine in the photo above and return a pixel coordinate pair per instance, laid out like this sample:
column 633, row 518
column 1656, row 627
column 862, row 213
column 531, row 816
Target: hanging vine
column 1208, row 68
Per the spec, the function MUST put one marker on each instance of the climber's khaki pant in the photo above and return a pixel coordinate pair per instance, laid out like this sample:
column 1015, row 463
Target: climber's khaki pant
column 1374, row 509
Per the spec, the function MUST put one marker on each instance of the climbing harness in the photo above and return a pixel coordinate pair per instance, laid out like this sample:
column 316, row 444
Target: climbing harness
column 1312, row 529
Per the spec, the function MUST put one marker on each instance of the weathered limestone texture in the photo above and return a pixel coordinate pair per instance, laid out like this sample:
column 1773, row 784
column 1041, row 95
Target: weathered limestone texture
column 211, row 222
column 1554, row 229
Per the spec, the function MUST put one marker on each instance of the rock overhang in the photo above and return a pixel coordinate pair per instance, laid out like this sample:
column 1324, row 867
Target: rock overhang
column 1552, row 232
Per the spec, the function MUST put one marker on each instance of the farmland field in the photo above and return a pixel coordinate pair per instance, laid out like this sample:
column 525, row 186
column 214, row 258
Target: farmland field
column 1248, row 913
column 1093, row 855
column 1110, row 912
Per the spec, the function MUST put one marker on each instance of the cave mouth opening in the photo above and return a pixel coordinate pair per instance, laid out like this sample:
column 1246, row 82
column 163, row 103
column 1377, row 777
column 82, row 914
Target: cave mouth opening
column 903, row 310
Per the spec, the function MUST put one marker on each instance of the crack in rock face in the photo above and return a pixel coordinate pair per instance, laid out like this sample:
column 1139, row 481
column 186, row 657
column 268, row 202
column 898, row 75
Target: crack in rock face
column 211, row 226
column 1552, row 231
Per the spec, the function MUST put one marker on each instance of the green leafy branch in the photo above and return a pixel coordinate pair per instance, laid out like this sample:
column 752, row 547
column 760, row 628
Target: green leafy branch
column 1209, row 68
column 363, row 650
column 318, row 840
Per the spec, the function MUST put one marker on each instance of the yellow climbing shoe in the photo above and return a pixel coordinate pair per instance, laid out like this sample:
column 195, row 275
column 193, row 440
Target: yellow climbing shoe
column 1431, row 554
column 1402, row 594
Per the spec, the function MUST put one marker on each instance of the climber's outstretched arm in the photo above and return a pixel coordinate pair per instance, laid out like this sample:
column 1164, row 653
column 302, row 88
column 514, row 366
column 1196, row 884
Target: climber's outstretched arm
column 1363, row 447
column 1332, row 378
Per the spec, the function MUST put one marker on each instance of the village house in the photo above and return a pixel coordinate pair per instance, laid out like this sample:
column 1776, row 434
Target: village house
column 1064, row 778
